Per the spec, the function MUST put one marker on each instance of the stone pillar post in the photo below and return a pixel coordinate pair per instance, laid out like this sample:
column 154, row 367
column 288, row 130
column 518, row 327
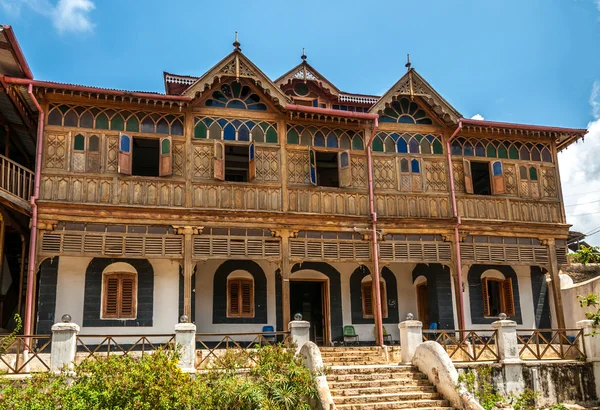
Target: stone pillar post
column 508, row 352
column 591, row 343
column 411, row 336
column 299, row 332
column 64, row 344
column 185, row 339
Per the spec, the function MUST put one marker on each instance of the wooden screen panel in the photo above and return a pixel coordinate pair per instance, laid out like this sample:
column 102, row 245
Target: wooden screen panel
column 508, row 298
column 468, row 176
column 367, row 299
column 251, row 162
column 125, row 152
column 219, row 161
column 486, row 297
column 497, row 172
column 119, row 296
column 240, row 298
column 344, row 169
column 166, row 157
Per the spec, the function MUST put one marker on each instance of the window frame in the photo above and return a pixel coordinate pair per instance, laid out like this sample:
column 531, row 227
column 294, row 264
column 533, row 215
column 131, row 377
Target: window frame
column 240, row 313
column 85, row 154
column 105, row 295
column 505, row 294
column 364, row 290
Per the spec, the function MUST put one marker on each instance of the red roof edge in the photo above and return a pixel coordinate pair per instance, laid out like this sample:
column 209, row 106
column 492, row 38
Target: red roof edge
column 484, row 123
column 83, row 88
column 16, row 49
column 331, row 112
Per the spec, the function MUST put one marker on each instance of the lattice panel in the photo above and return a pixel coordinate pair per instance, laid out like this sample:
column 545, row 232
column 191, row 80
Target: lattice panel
column 459, row 177
column 400, row 251
column 510, row 178
column 359, row 171
column 322, row 249
column 55, row 151
column 218, row 247
column 384, row 172
column 203, row 161
column 548, row 182
column 112, row 154
column 267, row 164
column 435, row 176
column 178, row 158
column 499, row 254
column 298, row 167
column 78, row 161
column 111, row 244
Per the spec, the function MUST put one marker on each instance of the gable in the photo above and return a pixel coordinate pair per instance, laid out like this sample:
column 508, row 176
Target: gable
column 236, row 94
column 412, row 88
column 305, row 73
column 234, row 68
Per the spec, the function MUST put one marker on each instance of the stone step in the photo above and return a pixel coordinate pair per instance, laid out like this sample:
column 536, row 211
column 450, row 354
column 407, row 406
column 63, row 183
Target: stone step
column 389, row 402
column 372, row 368
column 350, row 348
column 353, row 363
column 375, row 377
column 381, row 390
column 356, row 384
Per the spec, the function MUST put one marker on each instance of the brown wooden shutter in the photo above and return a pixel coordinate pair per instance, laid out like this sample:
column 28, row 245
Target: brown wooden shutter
column 125, row 153
column 127, row 297
column 509, row 300
column 166, row 157
column 384, row 309
column 219, row 161
column 367, row 299
column 344, row 169
column 233, row 292
column 497, row 173
column 486, row 297
column 251, row 162
column 111, row 297
column 93, row 154
column 468, row 176
column 247, row 298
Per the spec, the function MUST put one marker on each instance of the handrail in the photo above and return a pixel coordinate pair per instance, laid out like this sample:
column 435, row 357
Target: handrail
column 15, row 178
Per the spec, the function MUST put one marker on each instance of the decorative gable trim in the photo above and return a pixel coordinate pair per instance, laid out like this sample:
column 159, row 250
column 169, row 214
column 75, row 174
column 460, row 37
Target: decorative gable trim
column 413, row 85
column 306, row 72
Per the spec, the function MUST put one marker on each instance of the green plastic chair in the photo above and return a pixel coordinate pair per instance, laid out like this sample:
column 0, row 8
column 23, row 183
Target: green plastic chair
column 350, row 335
column 387, row 336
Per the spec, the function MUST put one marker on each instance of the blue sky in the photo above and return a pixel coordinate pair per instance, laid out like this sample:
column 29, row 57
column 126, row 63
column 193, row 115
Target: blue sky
column 531, row 61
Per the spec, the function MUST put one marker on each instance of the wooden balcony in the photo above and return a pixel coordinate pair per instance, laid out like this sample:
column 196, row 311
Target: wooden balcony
column 16, row 185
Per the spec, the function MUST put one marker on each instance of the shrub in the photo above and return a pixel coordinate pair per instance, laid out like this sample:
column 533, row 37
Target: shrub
column 587, row 254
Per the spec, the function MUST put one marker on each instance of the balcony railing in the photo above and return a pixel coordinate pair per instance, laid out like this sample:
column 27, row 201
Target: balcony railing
column 16, row 179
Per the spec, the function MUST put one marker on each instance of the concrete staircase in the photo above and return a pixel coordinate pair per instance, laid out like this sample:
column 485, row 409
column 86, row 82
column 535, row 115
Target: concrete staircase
column 361, row 379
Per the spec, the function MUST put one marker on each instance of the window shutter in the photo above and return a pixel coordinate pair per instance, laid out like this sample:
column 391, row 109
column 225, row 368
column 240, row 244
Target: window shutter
column 78, row 154
column 111, row 297
column 468, row 177
column 247, row 298
column 251, row 162
column 166, row 157
column 486, row 297
column 367, row 299
column 125, row 151
column 93, row 154
column 384, row 309
column 127, row 297
column 219, row 161
column 497, row 171
column 509, row 300
column 234, row 297
column 312, row 157
column 344, row 169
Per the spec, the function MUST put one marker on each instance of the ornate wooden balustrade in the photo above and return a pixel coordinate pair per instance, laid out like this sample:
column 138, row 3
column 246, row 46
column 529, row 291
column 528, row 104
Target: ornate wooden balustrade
column 466, row 345
column 551, row 344
column 16, row 181
column 509, row 208
column 25, row 354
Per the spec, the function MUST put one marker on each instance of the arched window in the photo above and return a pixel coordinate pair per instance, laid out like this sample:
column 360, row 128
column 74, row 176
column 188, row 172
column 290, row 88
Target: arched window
column 368, row 297
column 497, row 292
column 240, row 294
column 119, row 295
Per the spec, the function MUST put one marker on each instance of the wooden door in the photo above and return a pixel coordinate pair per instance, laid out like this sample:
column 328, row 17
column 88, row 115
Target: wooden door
column 423, row 304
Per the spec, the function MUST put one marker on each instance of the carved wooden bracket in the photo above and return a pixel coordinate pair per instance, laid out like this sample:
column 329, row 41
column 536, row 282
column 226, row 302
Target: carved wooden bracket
column 279, row 233
column 188, row 230
column 47, row 225
column 547, row 241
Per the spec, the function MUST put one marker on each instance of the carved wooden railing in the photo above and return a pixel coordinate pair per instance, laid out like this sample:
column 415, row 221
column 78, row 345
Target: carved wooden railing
column 16, row 179
column 25, row 354
column 551, row 344
column 508, row 208
column 94, row 347
column 466, row 345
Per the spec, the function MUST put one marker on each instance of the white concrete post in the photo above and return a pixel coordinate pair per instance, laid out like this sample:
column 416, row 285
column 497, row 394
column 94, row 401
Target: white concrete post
column 411, row 336
column 591, row 344
column 185, row 340
column 64, row 344
column 507, row 342
column 299, row 332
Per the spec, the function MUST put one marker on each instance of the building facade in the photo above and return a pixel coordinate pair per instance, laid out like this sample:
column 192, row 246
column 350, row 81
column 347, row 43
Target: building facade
column 240, row 201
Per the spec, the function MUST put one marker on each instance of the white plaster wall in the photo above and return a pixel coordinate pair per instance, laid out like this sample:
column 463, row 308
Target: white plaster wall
column 525, row 299
column 70, row 293
column 205, row 273
column 573, row 311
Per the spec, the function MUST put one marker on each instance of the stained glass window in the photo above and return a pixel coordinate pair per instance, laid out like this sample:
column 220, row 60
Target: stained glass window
column 236, row 95
column 406, row 112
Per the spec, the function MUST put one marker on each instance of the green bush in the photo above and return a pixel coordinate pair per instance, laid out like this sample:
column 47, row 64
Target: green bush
column 276, row 380
column 587, row 254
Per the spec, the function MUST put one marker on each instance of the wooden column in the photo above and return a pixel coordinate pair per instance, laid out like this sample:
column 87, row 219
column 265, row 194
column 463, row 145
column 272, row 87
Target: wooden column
column 375, row 287
column 188, row 265
column 458, row 296
column 553, row 269
column 22, row 271
column 285, row 276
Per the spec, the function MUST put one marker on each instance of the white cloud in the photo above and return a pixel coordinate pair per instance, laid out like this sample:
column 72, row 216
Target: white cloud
column 66, row 15
column 580, row 175
column 479, row 117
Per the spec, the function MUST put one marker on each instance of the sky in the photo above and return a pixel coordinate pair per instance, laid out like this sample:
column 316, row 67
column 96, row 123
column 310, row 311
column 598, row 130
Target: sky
column 532, row 61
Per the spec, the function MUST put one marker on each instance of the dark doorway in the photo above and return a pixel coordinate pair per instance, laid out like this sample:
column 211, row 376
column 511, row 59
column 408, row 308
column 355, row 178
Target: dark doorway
column 481, row 178
column 236, row 163
column 327, row 169
column 307, row 299
column 423, row 304
column 145, row 157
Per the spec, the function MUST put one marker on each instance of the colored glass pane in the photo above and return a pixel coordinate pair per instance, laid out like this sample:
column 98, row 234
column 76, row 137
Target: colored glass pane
column 117, row 123
column 301, row 89
column 271, row 135
column 402, row 147
column 513, row 152
column 86, row 120
column 479, row 150
column 344, row 159
column 79, row 143
column 468, row 149
column 403, row 165
column 357, row 143
column 200, row 130
column 55, row 117
column 125, row 143
column 491, row 151
column 546, row 157
column 502, row 151
column 524, row 154
column 319, row 140
column 406, row 119
column 177, row 128
column 94, row 144
column 414, row 166
column 102, row 121
column 389, row 144
column 536, row 155
column 243, row 133
column 497, row 168
column 229, row 133
column 377, row 145
column 523, row 173
column 332, row 141
column 165, row 146
column 345, row 142
column 437, row 147
column 162, row 127
column 148, row 125
column 71, row 119
column 533, row 174
column 413, row 146
column 425, row 146
column 292, row 136
column 214, row 132
column 132, row 124
column 258, row 135
column 456, row 148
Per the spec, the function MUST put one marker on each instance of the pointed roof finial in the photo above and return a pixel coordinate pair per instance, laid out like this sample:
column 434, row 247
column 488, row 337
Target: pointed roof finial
column 407, row 65
column 303, row 57
column 236, row 43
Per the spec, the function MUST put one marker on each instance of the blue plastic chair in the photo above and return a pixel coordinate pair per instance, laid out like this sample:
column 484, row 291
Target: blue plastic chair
column 433, row 326
column 271, row 338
